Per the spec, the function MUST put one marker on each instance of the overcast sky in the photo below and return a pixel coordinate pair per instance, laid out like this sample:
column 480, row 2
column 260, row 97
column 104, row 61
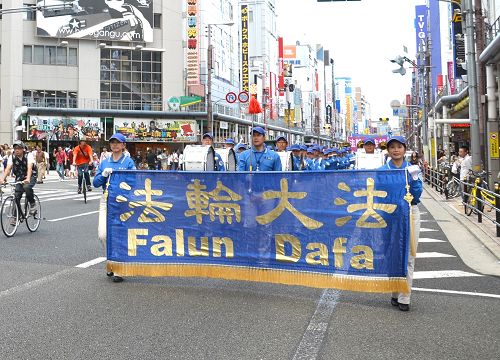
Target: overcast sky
column 362, row 37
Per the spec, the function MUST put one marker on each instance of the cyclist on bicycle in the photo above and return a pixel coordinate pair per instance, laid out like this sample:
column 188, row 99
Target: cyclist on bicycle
column 23, row 167
column 82, row 158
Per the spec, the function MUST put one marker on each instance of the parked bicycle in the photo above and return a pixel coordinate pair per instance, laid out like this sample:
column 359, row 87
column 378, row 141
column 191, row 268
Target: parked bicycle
column 12, row 213
column 481, row 188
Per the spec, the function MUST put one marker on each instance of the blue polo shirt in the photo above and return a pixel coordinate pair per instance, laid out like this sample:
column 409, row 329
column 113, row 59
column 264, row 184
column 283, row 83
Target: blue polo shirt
column 219, row 164
column 266, row 160
column 123, row 163
column 416, row 186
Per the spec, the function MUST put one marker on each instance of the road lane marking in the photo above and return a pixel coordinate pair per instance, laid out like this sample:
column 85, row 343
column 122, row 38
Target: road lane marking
column 312, row 339
column 74, row 216
column 94, row 197
column 426, row 255
column 35, row 283
column 426, row 229
column 442, row 274
column 429, row 240
column 91, row 263
column 495, row 296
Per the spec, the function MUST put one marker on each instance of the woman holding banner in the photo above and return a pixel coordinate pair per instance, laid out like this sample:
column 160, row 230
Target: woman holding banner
column 396, row 149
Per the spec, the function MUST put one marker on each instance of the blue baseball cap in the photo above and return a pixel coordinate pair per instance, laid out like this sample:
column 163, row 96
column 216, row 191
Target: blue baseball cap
column 208, row 134
column 240, row 145
column 303, row 147
column 259, row 130
column 117, row 136
column 310, row 151
column 230, row 141
column 399, row 139
column 369, row 141
column 316, row 148
column 295, row 147
column 281, row 137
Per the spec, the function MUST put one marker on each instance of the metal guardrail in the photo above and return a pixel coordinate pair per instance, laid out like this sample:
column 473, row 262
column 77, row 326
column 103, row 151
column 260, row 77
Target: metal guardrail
column 485, row 202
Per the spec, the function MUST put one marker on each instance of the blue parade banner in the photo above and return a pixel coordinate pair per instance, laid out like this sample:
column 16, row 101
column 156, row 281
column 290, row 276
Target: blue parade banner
column 344, row 229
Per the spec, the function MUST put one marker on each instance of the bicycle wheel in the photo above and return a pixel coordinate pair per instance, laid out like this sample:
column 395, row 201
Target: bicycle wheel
column 454, row 189
column 9, row 216
column 33, row 220
column 471, row 203
column 84, row 191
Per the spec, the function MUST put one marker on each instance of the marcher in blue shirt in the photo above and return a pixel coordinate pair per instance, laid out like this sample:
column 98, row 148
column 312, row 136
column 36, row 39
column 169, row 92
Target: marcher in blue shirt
column 309, row 160
column 298, row 161
column 396, row 147
column 238, row 149
column 117, row 161
column 208, row 139
column 230, row 143
column 258, row 157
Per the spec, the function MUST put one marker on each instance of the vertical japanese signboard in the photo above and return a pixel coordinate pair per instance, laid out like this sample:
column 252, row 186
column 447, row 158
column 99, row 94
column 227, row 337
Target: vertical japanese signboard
column 193, row 43
column 244, row 49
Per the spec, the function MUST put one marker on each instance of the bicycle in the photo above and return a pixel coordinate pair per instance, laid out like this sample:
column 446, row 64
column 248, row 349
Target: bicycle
column 473, row 203
column 12, row 213
column 453, row 188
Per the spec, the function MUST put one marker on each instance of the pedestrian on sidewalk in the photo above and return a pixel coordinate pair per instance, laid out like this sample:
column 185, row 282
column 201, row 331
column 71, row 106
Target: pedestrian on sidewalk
column 41, row 164
column 396, row 149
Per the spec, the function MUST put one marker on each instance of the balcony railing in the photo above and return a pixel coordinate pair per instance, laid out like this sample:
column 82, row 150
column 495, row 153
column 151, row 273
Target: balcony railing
column 492, row 31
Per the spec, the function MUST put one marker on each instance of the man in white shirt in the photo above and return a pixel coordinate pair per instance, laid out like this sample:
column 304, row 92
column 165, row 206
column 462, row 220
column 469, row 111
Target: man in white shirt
column 464, row 161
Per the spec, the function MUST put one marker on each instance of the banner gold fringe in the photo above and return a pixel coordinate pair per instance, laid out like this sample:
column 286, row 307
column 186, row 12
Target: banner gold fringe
column 315, row 280
column 413, row 243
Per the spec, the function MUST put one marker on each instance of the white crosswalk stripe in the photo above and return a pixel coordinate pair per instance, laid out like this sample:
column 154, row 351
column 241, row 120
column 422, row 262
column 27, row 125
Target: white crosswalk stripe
column 56, row 195
column 442, row 274
column 427, row 229
column 429, row 240
column 426, row 255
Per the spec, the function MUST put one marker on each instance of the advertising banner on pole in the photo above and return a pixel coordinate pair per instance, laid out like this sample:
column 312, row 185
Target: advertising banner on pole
column 124, row 20
column 262, row 226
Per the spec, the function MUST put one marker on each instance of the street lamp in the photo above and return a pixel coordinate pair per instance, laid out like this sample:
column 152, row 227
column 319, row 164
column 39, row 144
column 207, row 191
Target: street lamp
column 210, row 114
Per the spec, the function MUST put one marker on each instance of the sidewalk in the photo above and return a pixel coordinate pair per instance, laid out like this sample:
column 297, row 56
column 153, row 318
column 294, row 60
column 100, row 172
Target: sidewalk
column 468, row 236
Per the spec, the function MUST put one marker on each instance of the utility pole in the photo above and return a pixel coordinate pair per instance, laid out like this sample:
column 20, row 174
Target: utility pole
column 481, row 76
column 472, row 83
column 210, row 119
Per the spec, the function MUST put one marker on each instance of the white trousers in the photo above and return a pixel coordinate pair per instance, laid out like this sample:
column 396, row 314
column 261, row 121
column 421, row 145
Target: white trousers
column 404, row 298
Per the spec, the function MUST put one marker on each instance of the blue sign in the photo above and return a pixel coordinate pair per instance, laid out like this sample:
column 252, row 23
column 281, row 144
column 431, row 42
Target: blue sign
column 343, row 229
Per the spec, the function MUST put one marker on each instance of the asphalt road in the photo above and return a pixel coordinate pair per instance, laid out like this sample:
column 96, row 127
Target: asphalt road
column 51, row 309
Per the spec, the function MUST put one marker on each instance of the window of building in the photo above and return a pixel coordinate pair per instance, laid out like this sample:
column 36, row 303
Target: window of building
column 157, row 21
column 72, row 56
column 62, row 55
column 38, row 55
column 50, row 55
column 50, row 98
column 131, row 79
column 30, row 13
column 27, row 54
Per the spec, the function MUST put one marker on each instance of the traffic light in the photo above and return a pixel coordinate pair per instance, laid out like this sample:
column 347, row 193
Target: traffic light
column 400, row 61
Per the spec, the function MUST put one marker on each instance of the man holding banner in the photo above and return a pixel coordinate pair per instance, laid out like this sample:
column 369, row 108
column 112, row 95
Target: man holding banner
column 396, row 148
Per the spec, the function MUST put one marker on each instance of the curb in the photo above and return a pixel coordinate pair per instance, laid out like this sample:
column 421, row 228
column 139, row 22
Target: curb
column 484, row 237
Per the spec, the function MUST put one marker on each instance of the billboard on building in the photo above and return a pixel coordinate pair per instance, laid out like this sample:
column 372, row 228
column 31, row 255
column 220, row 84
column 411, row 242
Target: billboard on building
column 124, row 20
column 245, row 72
column 193, row 43
column 58, row 128
column 157, row 130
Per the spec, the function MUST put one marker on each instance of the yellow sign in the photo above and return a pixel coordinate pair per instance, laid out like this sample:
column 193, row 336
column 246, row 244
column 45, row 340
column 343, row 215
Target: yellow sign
column 494, row 150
